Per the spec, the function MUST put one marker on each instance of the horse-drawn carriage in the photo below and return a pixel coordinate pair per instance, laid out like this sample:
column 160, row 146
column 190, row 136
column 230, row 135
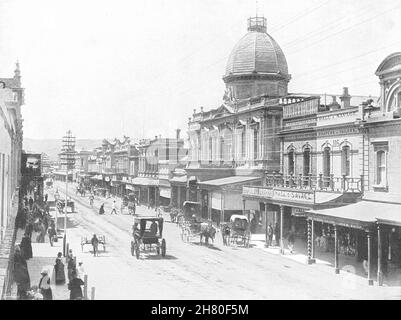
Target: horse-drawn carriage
column 191, row 223
column 131, row 203
column 60, row 204
column 148, row 231
column 237, row 231
column 88, row 240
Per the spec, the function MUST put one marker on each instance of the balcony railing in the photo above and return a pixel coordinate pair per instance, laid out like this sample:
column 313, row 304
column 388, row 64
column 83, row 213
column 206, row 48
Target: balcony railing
column 323, row 183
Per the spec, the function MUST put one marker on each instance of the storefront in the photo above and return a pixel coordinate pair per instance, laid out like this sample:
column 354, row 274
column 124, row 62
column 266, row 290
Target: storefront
column 221, row 198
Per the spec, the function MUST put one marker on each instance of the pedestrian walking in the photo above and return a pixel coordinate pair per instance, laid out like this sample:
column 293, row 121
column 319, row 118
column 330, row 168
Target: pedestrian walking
column 101, row 209
column 46, row 196
column 59, row 273
column 44, row 285
column 30, row 201
column 75, row 287
column 95, row 244
column 277, row 234
column 291, row 240
column 91, row 198
column 52, row 234
column 21, row 274
column 270, row 235
column 71, row 265
column 26, row 247
column 113, row 207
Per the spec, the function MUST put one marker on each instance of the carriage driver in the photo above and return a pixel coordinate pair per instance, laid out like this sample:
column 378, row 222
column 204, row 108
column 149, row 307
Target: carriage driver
column 153, row 228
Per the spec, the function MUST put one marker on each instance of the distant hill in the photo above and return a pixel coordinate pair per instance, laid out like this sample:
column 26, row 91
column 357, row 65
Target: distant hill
column 52, row 147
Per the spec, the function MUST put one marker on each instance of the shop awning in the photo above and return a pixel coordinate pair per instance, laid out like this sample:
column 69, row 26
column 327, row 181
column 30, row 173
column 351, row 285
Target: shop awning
column 164, row 183
column 228, row 180
column 360, row 214
column 179, row 180
column 144, row 181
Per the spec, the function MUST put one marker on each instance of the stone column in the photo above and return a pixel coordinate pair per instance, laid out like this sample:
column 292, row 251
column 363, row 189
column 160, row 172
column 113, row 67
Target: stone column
column 209, row 209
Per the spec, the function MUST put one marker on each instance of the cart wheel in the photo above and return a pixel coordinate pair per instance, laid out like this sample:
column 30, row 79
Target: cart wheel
column 132, row 248
column 163, row 248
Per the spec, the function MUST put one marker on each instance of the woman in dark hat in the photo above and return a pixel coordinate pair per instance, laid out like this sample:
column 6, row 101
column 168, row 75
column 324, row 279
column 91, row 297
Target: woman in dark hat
column 26, row 247
column 21, row 274
column 59, row 270
column 75, row 287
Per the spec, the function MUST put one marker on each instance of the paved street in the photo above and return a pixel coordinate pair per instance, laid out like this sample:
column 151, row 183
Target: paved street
column 191, row 271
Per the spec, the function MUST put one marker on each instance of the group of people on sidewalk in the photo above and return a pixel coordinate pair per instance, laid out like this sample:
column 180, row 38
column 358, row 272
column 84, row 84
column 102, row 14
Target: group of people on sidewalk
column 273, row 236
column 43, row 291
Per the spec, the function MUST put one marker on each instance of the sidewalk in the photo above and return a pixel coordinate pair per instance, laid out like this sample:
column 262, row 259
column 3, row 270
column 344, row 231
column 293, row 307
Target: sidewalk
column 323, row 259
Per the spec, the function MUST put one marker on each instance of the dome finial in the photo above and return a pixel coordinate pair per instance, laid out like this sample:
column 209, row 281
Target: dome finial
column 257, row 24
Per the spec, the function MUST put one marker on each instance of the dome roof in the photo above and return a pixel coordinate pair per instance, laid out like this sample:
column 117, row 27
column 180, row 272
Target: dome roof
column 257, row 52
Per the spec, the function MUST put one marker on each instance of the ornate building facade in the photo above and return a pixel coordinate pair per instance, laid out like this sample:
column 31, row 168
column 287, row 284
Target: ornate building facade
column 11, row 135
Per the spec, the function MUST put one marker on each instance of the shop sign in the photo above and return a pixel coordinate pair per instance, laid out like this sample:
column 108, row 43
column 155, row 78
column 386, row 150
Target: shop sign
column 292, row 195
column 298, row 211
column 257, row 192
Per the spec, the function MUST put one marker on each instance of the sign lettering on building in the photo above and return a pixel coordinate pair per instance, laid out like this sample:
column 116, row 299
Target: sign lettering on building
column 279, row 194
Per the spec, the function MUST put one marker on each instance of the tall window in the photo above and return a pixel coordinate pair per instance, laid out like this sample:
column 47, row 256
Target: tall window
column 222, row 151
column 291, row 162
column 255, row 143
column 210, row 148
column 346, row 161
column 326, row 162
column 306, row 155
column 243, row 142
column 381, row 167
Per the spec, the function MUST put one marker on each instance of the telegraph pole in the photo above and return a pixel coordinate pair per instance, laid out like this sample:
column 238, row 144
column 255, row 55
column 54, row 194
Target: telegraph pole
column 67, row 157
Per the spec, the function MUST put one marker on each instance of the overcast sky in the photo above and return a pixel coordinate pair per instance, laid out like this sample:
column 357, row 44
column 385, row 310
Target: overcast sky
column 139, row 68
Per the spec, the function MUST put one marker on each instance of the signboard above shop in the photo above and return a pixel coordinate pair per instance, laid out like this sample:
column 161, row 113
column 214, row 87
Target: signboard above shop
column 280, row 194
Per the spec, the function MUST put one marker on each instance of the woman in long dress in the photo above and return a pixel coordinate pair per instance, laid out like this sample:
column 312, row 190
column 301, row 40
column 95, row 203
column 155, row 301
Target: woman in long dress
column 21, row 274
column 26, row 247
column 59, row 270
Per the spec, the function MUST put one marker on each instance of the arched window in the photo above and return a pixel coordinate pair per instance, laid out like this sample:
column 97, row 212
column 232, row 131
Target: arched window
column 381, row 168
column 346, row 161
column 326, row 162
column 291, row 162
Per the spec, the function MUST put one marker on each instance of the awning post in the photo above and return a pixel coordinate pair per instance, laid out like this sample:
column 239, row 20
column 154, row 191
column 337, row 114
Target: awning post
column 379, row 257
column 370, row 280
column 310, row 259
column 336, row 268
column 281, row 229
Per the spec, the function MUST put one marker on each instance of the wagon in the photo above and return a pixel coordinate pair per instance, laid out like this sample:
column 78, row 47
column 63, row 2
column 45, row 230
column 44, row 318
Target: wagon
column 148, row 234
column 87, row 240
column 237, row 231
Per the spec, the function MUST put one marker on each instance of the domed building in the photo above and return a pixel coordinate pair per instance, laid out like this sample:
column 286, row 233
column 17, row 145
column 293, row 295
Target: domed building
column 257, row 65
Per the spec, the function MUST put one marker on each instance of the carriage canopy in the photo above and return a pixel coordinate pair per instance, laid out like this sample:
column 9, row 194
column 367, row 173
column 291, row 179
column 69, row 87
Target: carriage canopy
column 239, row 221
column 192, row 208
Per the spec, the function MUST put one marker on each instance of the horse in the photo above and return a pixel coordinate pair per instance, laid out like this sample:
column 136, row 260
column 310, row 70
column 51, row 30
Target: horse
column 207, row 231
column 225, row 232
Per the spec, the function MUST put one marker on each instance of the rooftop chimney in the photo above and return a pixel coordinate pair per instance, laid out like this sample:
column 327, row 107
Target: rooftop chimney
column 345, row 99
column 334, row 105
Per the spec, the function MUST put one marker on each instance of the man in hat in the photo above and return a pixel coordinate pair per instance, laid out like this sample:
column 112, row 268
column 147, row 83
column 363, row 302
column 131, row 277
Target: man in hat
column 44, row 285
column 95, row 244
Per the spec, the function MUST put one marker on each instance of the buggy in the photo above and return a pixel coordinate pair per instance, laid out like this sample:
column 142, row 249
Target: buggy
column 237, row 231
column 148, row 231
